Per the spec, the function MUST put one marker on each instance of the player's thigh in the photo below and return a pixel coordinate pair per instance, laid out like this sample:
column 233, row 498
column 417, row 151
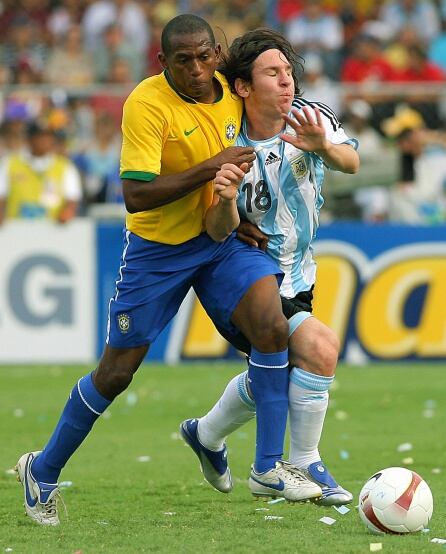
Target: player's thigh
column 259, row 315
column 314, row 347
column 229, row 281
column 153, row 281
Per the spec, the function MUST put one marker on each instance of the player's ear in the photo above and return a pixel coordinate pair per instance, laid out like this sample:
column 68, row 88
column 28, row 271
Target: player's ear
column 241, row 88
column 217, row 51
column 162, row 60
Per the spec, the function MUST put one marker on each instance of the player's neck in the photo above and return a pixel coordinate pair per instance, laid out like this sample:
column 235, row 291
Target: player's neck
column 261, row 128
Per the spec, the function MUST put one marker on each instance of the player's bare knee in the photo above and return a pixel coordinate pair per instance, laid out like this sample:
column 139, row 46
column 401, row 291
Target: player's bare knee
column 325, row 358
column 112, row 380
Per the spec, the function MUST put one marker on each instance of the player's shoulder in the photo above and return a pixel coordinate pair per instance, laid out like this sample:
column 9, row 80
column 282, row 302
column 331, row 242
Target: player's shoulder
column 152, row 90
column 327, row 113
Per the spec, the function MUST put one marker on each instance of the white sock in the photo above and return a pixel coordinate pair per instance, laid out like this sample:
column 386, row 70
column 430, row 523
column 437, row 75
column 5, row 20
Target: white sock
column 308, row 403
column 234, row 408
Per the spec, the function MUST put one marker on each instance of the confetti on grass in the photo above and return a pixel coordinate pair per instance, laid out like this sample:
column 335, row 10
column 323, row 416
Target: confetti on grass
column 439, row 541
column 12, row 471
column 436, row 470
column 327, row 520
column 407, row 461
column 170, row 513
column 143, row 458
column 405, row 447
column 131, row 399
column 341, row 415
column 65, row 484
column 262, row 509
column 344, row 455
column 376, row 546
column 342, row 509
column 276, row 501
column 270, row 518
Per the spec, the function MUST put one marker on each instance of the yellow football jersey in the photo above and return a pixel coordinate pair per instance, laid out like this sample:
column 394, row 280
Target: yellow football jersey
column 165, row 133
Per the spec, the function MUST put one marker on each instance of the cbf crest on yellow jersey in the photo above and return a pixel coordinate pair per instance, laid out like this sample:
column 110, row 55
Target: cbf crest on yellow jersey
column 164, row 133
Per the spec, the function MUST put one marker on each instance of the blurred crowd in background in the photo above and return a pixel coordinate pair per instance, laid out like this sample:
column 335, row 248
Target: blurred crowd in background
column 66, row 67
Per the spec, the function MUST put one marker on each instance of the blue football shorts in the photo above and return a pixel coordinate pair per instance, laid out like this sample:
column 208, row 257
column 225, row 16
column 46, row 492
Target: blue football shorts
column 154, row 278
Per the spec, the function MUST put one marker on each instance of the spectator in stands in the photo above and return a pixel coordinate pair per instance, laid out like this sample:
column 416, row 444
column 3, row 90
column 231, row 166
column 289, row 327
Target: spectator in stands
column 420, row 14
column 34, row 11
column 248, row 14
column 99, row 163
column 5, row 75
column 378, row 163
column 69, row 64
column 437, row 48
column 367, row 63
column 12, row 136
column 317, row 86
column 419, row 68
column 202, row 8
column 316, row 31
column 23, row 49
column 38, row 183
column 63, row 16
column 128, row 14
column 420, row 195
column 111, row 47
column 397, row 51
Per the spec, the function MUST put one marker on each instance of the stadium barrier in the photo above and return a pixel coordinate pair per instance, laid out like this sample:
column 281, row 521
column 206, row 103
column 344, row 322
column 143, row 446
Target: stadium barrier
column 381, row 288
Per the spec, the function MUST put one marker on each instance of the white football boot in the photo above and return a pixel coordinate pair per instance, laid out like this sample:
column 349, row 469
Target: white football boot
column 40, row 498
column 283, row 481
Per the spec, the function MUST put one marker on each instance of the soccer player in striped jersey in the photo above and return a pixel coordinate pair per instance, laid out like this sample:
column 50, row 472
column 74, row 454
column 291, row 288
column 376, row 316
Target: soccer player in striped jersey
column 179, row 128
column 279, row 199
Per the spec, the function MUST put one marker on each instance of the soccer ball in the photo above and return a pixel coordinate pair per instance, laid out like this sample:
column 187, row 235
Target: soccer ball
column 395, row 500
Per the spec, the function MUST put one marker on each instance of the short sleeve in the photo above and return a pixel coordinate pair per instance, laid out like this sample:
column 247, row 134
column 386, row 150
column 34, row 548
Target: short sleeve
column 144, row 130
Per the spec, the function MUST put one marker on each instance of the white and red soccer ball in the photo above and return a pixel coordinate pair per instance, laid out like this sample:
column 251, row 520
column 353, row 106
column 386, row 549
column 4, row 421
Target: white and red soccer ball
column 395, row 500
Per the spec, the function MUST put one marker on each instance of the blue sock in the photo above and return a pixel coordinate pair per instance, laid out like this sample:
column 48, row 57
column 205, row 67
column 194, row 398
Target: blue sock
column 268, row 381
column 83, row 408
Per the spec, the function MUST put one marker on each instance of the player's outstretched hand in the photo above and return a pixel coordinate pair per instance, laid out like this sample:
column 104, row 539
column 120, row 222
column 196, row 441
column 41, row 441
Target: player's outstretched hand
column 252, row 235
column 228, row 180
column 236, row 155
column 309, row 129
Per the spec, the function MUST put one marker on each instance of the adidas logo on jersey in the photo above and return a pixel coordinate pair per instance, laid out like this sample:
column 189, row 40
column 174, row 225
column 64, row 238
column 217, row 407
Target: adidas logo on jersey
column 272, row 159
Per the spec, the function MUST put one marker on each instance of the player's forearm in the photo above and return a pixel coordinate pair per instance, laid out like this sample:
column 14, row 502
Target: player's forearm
column 140, row 196
column 342, row 157
column 221, row 219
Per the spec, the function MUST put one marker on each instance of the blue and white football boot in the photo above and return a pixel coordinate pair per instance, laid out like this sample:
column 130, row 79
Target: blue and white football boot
column 213, row 464
column 40, row 498
column 283, row 481
column 332, row 493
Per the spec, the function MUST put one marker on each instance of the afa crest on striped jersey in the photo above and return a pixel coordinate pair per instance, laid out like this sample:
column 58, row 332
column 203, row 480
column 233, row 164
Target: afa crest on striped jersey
column 281, row 194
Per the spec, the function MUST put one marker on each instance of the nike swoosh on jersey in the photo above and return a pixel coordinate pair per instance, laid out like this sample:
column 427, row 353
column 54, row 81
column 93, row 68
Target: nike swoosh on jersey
column 279, row 486
column 187, row 133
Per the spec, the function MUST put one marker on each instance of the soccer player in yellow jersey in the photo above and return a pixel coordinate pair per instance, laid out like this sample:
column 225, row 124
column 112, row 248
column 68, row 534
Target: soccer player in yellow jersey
column 179, row 128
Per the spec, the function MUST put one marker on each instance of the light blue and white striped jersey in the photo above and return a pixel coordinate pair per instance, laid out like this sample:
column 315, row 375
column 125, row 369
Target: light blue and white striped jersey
column 281, row 194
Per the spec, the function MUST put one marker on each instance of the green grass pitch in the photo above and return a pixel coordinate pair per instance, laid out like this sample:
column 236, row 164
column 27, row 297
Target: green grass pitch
column 118, row 503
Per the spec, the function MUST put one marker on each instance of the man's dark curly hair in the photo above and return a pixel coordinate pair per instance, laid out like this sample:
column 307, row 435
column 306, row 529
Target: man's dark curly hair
column 241, row 55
